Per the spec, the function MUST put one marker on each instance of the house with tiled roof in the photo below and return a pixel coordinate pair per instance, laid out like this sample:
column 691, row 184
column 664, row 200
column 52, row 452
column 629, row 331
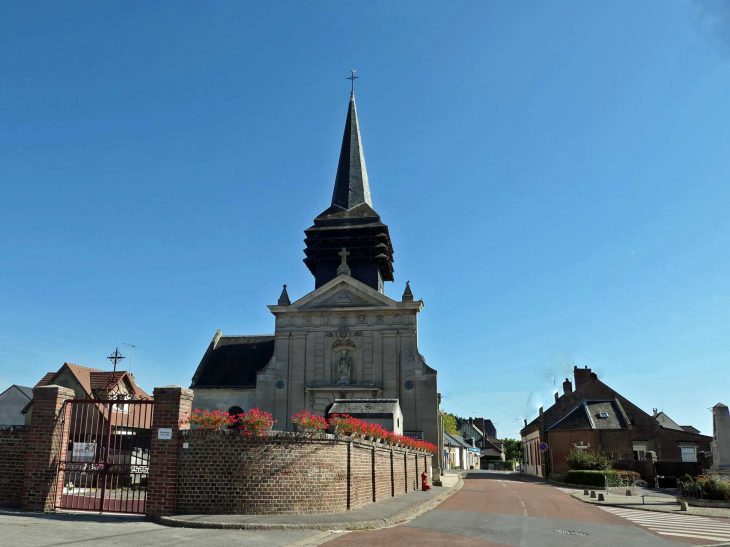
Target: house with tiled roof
column 596, row 418
column 92, row 383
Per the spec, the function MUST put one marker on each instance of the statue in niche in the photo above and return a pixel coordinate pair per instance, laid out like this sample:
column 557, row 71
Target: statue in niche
column 343, row 368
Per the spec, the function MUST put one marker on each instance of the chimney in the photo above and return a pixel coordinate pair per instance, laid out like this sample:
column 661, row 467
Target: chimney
column 556, row 396
column 655, row 412
column 567, row 386
column 582, row 375
column 525, row 422
column 540, row 412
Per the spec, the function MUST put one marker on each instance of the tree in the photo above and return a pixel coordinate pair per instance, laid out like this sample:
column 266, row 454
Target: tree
column 450, row 424
column 512, row 449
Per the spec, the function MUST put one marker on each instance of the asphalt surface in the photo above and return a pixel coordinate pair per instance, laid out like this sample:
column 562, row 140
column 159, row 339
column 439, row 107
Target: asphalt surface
column 493, row 509
column 499, row 509
column 92, row 530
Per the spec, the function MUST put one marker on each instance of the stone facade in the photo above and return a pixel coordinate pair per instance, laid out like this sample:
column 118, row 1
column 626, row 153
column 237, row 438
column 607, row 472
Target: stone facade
column 379, row 339
column 13, row 448
column 721, row 439
column 285, row 473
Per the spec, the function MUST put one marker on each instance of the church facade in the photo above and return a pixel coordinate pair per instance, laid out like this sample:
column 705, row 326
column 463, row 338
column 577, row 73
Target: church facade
column 344, row 340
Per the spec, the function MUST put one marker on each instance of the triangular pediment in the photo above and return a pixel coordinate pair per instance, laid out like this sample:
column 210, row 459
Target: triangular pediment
column 341, row 299
column 344, row 292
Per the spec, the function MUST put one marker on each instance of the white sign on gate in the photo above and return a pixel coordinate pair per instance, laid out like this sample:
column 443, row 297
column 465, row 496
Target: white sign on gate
column 83, row 452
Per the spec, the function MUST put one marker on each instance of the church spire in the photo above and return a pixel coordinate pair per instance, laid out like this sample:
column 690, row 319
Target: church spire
column 350, row 226
column 351, row 182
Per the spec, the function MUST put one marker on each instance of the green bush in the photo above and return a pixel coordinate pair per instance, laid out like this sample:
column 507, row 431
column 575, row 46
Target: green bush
column 713, row 489
column 508, row 465
column 686, row 478
column 593, row 478
column 628, row 477
column 581, row 460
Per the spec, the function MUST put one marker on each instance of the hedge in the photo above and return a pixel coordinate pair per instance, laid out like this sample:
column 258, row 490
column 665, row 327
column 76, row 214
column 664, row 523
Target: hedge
column 593, row 478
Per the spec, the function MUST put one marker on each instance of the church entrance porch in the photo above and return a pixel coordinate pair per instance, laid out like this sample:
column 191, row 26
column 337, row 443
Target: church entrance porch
column 104, row 456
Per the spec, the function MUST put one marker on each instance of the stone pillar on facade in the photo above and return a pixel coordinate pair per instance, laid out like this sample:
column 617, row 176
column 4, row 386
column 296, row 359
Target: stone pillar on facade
column 172, row 406
column 43, row 484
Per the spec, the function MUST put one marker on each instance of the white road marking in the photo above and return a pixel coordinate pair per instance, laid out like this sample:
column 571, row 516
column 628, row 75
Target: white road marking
column 668, row 524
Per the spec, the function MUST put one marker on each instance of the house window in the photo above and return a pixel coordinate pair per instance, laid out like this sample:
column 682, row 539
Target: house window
column 640, row 451
column 603, row 415
column 689, row 453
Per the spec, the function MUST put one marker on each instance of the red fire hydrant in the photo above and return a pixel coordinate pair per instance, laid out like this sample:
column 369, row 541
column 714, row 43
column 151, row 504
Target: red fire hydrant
column 424, row 482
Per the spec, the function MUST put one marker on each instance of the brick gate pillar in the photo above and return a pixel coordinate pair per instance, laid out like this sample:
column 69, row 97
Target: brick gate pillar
column 172, row 405
column 42, row 489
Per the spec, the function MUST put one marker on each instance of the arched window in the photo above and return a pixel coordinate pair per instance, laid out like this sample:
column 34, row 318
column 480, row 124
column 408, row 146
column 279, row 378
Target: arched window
column 233, row 411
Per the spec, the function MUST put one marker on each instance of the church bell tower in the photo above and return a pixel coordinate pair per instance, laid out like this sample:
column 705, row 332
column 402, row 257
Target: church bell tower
column 350, row 229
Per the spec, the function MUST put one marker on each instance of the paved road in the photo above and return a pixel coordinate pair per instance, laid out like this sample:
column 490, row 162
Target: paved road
column 492, row 510
column 498, row 509
column 91, row 530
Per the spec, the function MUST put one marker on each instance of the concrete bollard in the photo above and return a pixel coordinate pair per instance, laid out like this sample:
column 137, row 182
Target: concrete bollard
column 628, row 492
column 601, row 498
column 593, row 493
column 585, row 492
column 683, row 506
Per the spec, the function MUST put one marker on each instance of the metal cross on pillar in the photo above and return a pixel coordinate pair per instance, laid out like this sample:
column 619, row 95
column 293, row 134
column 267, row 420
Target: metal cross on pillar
column 115, row 358
column 344, row 268
column 352, row 79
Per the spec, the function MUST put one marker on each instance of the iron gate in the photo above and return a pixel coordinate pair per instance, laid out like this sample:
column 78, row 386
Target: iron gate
column 106, row 460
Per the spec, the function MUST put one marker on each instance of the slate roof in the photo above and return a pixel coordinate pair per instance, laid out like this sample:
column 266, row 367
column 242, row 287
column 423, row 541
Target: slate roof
column 370, row 408
column 351, row 182
column 350, row 221
column 233, row 361
column 587, row 415
column 27, row 391
column 490, row 451
column 455, row 440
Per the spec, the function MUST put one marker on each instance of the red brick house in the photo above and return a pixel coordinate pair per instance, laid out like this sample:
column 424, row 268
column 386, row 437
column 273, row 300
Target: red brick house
column 596, row 418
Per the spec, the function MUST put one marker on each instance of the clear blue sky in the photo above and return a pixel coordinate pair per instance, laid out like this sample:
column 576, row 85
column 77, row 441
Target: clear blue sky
column 554, row 175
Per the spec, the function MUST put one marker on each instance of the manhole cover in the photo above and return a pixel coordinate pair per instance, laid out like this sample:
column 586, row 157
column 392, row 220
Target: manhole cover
column 570, row 533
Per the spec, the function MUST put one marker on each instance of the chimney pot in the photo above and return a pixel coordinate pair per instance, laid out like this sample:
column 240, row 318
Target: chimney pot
column 556, row 396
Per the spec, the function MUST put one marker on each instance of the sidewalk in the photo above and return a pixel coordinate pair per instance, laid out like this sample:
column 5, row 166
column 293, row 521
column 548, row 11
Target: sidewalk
column 649, row 503
column 373, row 516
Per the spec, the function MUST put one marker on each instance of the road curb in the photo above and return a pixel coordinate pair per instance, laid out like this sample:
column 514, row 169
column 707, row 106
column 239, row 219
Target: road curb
column 648, row 508
column 371, row 524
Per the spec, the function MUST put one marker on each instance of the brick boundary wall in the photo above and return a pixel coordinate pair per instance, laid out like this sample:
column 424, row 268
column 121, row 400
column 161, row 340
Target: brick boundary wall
column 13, row 447
column 224, row 472
column 173, row 405
column 42, row 488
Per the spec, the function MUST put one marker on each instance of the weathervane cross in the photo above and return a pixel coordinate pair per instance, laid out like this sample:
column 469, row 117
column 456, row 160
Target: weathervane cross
column 352, row 79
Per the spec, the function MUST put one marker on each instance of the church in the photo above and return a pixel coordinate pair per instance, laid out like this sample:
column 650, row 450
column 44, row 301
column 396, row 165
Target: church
column 344, row 340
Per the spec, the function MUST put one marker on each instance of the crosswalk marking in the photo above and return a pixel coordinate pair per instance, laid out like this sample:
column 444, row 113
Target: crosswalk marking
column 668, row 524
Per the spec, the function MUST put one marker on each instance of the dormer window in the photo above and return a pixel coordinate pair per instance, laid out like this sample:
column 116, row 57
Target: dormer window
column 603, row 415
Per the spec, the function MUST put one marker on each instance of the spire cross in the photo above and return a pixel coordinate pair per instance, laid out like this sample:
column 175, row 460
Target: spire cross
column 352, row 79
